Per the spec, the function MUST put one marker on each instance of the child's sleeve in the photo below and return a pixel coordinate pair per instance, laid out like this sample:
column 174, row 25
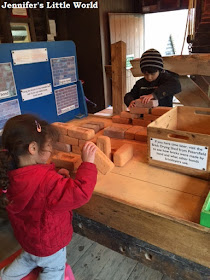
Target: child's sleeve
column 67, row 194
column 133, row 94
column 169, row 86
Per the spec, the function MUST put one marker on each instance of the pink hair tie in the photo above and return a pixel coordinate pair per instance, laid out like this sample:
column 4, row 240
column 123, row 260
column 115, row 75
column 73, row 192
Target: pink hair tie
column 4, row 191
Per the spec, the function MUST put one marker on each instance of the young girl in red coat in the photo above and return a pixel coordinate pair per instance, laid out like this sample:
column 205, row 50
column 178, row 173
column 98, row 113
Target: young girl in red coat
column 39, row 200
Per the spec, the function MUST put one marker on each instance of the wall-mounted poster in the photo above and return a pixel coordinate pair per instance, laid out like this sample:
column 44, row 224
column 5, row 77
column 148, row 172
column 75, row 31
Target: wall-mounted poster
column 7, row 82
column 66, row 99
column 63, row 70
column 8, row 110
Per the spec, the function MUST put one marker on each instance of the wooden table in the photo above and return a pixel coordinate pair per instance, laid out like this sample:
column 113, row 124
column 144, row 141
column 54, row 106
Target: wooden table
column 153, row 209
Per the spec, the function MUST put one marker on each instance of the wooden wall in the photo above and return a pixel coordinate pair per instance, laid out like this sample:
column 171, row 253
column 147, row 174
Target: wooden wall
column 128, row 28
column 106, row 7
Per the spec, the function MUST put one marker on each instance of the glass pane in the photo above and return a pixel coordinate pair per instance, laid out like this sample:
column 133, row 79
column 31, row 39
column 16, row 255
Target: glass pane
column 20, row 32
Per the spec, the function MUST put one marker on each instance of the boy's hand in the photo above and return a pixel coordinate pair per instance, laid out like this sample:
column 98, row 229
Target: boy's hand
column 132, row 104
column 88, row 152
column 146, row 98
column 64, row 172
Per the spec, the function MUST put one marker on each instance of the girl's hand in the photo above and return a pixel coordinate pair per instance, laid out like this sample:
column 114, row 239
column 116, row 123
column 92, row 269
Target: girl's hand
column 88, row 152
column 64, row 172
column 146, row 98
column 132, row 104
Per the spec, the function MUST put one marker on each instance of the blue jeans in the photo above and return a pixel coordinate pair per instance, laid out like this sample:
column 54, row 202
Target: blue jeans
column 53, row 267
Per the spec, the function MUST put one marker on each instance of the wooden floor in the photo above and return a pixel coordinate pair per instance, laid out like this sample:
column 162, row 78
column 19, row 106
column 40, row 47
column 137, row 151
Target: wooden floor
column 89, row 260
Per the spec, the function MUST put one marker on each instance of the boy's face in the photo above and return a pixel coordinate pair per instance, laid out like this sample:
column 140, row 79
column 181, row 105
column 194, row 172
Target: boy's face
column 151, row 77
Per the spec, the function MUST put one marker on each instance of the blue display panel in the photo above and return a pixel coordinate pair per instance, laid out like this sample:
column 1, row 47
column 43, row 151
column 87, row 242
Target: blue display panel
column 51, row 88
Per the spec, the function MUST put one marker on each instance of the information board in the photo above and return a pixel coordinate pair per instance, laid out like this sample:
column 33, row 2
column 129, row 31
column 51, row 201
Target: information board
column 43, row 79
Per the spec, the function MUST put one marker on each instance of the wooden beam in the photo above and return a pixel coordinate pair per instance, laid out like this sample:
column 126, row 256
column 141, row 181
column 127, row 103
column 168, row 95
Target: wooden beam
column 152, row 228
column 118, row 61
column 195, row 64
column 108, row 70
column 192, row 94
column 150, row 255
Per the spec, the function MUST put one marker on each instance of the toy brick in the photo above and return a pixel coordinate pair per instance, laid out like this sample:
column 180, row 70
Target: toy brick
column 123, row 126
column 123, row 155
column 115, row 132
column 130, row 133
column 141, row 135
column 102, row 162
column 61, row 127
column 125, row 114
column 101, row 124
column 62, row 147
column 82, row 142
column 76, row 150
column 135, row 116
column 137, row 110
column 118, row 119
column 140, row 122
column 104, row 144
column 68, row 140
column 149, row 117
column 150, row 104
column 95, row 127
column 81, row 133
column 66, row 160
column 159, row 111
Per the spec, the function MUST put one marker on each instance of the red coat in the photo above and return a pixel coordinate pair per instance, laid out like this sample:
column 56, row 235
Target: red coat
column 41, row 205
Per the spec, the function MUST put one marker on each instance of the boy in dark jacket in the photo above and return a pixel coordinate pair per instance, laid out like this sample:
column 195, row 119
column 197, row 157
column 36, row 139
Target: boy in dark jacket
column 157, row 83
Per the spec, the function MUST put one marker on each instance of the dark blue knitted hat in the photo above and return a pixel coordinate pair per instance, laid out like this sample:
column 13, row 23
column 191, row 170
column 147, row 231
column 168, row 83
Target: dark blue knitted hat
column 151, row 58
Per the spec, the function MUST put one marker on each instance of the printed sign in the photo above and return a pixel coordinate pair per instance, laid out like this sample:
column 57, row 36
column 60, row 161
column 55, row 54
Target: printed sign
column 29, row 56
column 188, row 155
column 35, row 92
column 66, row 99
column 7, row 82
column 63, row 70
column 8, row 110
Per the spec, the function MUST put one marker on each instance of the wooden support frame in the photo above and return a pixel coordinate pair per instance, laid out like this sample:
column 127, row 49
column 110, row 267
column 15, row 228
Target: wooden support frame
column 118, row 57
column 150, row 255
column 195, row 64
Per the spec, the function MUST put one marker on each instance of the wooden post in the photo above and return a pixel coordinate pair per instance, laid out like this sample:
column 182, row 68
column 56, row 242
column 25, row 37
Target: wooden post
column 118, row 56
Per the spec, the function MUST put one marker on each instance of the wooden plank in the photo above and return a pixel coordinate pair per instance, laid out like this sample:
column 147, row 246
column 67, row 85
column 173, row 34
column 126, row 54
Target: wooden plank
column 149, row 274
column 77, row 248
column 172, row 180
column 151, row 197
column 9, row 244
column 118, row 267
column 118, row 54
column 192, row 94
column 152, row 227
column 194, row 64
column 145, row 253
column 92, row 263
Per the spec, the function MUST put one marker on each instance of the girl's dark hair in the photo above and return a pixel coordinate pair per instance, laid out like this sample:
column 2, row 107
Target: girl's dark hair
column 18, row 133
column 150, row 69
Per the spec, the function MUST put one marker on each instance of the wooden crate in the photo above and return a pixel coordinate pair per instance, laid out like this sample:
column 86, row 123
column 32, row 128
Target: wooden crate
column 180, row 140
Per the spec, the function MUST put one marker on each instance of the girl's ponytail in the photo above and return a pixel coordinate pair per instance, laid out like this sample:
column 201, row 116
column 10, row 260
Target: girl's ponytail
column 5, row 163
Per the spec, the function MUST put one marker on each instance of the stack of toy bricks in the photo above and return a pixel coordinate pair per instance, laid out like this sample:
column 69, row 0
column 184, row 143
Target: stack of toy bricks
column 139, row 117
column 71, row 141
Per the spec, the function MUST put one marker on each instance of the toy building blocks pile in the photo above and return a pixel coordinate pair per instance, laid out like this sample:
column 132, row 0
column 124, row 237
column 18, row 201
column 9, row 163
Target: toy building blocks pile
column 72, row 138
column 129, row 125
column 141, row 114
column 71, row 141
column 138, row 118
